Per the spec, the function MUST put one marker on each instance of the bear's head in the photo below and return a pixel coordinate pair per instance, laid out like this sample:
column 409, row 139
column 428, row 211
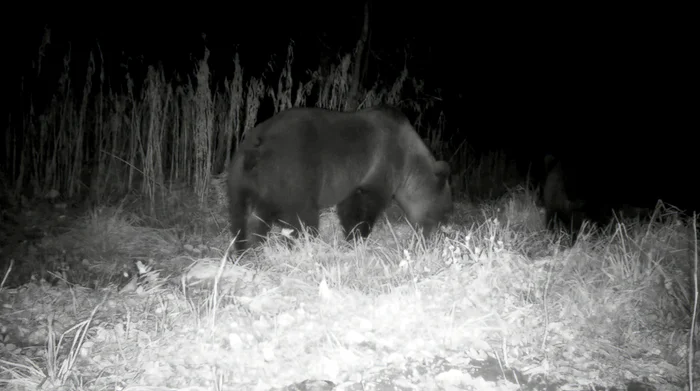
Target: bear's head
column 426, row 196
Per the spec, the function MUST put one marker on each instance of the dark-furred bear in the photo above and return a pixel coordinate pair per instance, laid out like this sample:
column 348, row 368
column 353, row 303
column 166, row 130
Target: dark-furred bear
column 570, row 199
column 301, row 160
column 561, row 211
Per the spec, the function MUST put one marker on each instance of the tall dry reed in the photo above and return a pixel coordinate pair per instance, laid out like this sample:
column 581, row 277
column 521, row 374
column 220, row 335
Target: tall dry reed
column 152, row 134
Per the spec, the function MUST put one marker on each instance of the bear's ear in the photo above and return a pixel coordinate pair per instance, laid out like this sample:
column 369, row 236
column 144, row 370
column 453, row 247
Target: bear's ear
column 442, row 169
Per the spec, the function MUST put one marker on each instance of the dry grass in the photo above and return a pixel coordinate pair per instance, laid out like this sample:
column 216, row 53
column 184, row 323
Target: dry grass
column 618, row 301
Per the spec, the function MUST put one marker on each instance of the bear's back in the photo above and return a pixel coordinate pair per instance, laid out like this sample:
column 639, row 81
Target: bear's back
column 313, row 123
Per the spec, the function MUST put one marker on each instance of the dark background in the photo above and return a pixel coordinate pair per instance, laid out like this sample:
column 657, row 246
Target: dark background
column 610, row 89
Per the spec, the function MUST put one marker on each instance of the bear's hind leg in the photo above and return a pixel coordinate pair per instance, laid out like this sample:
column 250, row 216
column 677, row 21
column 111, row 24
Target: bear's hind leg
column 359, row 212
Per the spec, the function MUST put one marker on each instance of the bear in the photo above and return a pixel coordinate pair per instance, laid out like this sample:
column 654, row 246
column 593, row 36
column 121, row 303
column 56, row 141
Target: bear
column 573, row 195
column 562, row 210
column 301, row 160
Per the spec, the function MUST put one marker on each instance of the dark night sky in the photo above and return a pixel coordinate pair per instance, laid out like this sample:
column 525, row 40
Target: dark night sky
column 612, row 83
